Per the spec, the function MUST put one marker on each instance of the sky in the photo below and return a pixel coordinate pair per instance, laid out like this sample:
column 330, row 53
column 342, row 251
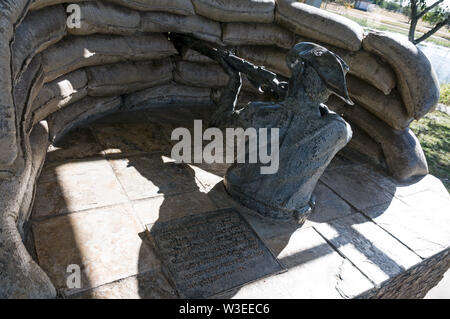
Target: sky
column 429, row 2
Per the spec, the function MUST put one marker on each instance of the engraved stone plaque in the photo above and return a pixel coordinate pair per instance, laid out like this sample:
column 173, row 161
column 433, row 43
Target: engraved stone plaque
column 212, row 252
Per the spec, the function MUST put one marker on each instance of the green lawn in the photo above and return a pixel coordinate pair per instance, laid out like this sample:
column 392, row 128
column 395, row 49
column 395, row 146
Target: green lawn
column 433, row 132
column 445, row 94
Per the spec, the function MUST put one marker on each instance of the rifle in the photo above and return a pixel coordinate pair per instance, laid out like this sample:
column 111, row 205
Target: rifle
column 264, row 80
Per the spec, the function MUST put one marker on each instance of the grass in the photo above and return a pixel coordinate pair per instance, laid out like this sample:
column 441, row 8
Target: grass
column 445, row 94
column 433, row 132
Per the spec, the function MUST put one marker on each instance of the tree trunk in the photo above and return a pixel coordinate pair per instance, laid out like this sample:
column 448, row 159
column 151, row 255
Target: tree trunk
column 412, row 29
column 415, row 17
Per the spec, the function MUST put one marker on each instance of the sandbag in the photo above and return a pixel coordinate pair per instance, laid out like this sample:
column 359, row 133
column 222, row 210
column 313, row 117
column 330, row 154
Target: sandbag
column 58, row 94
column 10, row 15
column 200, row 75
column 272, row 58
column 85, row 110
column 39, row 143
column 25, row 91
column 257, row 34
column 369, row 68
column 402, row 151
column 182, row 7
column 362, row 143
column 417, row 80
column 364, row 65
column 39, row 4
column 21, row 276
column 197, row 26
column 76, row 52
column 171, row 93
column 236, row 10
column 190, row 55
column 127, row 77
column 39, row 30
column 100, row 17
column 389, row 108
column 318, row 24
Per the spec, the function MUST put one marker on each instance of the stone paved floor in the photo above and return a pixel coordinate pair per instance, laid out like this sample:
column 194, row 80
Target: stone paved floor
column 105, row 182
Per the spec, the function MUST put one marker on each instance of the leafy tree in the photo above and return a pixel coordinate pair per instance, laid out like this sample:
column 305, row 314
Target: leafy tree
column 406, row 11
column 419, row 9
column 435, row 16
column 392, row 6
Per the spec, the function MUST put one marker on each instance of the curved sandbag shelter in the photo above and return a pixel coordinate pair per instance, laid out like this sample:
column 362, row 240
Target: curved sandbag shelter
column 53, row 78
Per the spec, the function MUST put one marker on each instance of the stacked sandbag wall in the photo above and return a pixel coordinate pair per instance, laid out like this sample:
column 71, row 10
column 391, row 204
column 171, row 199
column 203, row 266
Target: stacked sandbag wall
column 53, row 78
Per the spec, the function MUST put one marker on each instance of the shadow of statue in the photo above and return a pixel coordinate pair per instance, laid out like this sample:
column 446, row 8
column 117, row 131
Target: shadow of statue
column 176, row 180
column 206, row 198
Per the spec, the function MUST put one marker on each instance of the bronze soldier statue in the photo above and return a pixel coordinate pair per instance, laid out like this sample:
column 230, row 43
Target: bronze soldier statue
column 310, row 134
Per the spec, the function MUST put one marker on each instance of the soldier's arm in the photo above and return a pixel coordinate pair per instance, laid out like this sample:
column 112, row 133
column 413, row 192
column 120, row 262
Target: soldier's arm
column 226, row 109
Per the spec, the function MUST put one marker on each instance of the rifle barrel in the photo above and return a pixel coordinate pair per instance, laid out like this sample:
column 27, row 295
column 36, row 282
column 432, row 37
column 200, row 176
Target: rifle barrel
column 258, row 74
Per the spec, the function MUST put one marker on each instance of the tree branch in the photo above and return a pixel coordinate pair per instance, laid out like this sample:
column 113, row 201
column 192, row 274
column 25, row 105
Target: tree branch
column 432, row 31
column 426, row 10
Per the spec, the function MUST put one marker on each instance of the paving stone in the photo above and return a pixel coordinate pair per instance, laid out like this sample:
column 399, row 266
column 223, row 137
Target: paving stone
column 399, row 189
column 164, row 208
column 264, row 227
column 149, row 285
column 219, row 167
column 357, row 189
column 152, row 175
column 329, row 206
column 220, row 197
column 130, row 138
column 103, row 242
column 212, row 252
column 374, row 251
column 429, row 182
column 170, row 120
column 73, row 168
column 77, row 186
column 315, row 270
column 78, row 144
column 209, row 176
column 421, row 221
column 429, row 202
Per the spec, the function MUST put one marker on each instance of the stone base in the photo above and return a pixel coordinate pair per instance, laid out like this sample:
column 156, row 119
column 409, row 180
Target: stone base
column 415, row 282
column 368, row 237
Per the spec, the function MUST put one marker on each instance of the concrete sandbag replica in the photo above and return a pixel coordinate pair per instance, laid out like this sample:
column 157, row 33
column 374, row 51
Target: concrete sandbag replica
column 44, row 81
